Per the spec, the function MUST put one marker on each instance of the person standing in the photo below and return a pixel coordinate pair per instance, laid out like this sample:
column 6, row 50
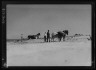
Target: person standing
column 45, row 35
column 48, row 36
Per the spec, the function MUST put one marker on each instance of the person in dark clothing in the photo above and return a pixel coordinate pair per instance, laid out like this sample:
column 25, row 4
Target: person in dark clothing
column 45, row 35
column 48, row 36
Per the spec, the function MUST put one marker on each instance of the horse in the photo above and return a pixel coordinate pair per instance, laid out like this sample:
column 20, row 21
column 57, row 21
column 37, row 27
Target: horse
column 65, row 32
column 31, row 37
column 34, row 36
column 59, row 35
column 54, row 35
column 38, row 35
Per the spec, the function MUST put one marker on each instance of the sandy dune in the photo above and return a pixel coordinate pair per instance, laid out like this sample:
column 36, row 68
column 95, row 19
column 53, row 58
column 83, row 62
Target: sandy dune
column 68, row 53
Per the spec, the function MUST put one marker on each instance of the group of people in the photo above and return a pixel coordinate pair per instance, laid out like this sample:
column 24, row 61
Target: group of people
column 47, row 36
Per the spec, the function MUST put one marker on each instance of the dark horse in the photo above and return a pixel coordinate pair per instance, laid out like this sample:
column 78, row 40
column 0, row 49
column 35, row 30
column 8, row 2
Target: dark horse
column 59, row 35
column 63, row 35
column 34, row 36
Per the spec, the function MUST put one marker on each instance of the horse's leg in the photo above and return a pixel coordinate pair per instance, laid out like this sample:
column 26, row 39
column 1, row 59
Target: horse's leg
column 64, row 38
column 44, row 39
column 53, row 39
column 60, row 39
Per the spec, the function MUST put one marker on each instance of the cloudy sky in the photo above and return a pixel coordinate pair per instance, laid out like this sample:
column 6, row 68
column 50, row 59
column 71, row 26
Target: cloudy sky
column 31, row 19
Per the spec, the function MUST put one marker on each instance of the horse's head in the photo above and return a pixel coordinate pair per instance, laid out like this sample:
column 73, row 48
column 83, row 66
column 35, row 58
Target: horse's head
column 65, row 31
column 38, row 34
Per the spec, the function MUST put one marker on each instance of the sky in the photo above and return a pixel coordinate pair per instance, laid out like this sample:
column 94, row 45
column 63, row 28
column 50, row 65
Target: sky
column 33, row 19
